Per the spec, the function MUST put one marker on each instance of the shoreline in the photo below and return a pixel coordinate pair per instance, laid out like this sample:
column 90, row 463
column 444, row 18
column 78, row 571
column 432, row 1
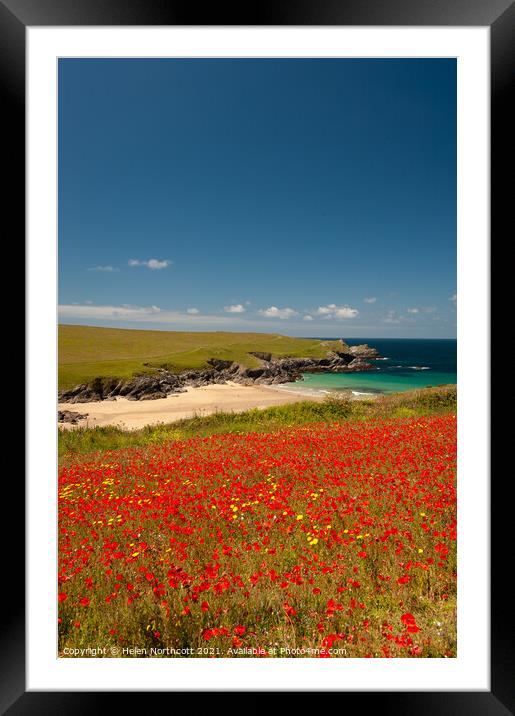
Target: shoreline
column 309, row 393
column 205, row 400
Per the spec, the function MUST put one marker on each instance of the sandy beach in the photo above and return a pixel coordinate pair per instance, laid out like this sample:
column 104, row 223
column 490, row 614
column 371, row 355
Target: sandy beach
column 131, row 414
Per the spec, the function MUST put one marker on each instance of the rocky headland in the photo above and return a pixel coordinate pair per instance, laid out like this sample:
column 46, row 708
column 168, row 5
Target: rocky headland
column 271, row 370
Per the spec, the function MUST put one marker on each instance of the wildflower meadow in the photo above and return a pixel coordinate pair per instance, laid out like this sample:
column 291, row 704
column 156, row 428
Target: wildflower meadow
column 312, row 541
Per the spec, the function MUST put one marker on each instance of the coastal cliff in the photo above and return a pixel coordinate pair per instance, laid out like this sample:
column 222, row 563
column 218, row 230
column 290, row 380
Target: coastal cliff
column 272, row 370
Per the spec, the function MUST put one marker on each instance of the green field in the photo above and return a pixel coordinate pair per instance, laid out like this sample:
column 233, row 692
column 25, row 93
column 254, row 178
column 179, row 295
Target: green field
column 87, row 352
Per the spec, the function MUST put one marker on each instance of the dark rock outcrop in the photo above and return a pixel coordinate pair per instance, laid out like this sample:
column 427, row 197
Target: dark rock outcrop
column 69, row 416
column 219, row 364
column 81, row 394
column 271, row 372
column 363, row 351
column 267, row 357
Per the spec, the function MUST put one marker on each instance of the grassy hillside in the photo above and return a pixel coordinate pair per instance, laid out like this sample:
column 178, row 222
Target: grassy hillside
column 428, row 401
column 86, row 352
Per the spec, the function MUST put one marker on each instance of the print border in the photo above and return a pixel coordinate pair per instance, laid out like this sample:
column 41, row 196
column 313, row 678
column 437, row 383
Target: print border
column 499, row 15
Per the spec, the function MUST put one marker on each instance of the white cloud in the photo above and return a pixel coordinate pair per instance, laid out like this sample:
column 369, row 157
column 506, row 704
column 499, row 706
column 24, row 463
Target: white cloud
column 192, row 311
column 126, row 311
column 346, row 312
column 334, row 311
column 106, row 269
column 422, row 309
column 274, row 312
column 237, row 308
column 391, row 317
column 370, row 299
column 454, row 298
column 173, row 319
column 153, row 264
column 147, row 314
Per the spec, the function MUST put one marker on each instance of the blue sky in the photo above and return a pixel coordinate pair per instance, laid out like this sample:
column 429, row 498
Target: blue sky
column 305, row 197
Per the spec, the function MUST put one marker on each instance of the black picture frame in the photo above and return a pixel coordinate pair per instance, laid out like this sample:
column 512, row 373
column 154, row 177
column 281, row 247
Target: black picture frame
column 499, row 15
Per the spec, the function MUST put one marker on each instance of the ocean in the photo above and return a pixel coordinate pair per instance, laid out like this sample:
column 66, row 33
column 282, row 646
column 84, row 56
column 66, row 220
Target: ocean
column 406, row 364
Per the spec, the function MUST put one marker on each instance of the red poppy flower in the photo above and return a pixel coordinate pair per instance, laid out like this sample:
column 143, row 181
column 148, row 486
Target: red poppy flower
column 290, row 611
column 408, row 618
column 330, row 639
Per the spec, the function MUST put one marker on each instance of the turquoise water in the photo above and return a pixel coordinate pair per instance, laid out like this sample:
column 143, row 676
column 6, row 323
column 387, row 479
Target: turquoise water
column 409, row 364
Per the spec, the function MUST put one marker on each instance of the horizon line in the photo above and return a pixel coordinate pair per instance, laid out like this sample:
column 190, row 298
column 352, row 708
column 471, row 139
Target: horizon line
column 273, row 333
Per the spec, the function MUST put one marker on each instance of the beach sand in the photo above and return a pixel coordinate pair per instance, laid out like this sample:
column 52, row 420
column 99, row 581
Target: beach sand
column 134, row 414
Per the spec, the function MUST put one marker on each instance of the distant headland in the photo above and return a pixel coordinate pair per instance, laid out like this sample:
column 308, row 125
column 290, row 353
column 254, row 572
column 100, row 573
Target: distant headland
column 98, row 364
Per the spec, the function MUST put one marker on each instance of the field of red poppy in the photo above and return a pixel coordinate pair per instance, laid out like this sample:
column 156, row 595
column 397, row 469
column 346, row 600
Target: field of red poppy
column 315, row 540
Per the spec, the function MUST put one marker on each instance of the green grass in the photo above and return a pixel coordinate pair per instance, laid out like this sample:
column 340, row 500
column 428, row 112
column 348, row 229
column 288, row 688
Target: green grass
column 427, row 401
column 87, row 352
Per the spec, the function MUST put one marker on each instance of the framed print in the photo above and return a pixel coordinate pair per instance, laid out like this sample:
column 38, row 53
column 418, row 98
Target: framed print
column 258, row 254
